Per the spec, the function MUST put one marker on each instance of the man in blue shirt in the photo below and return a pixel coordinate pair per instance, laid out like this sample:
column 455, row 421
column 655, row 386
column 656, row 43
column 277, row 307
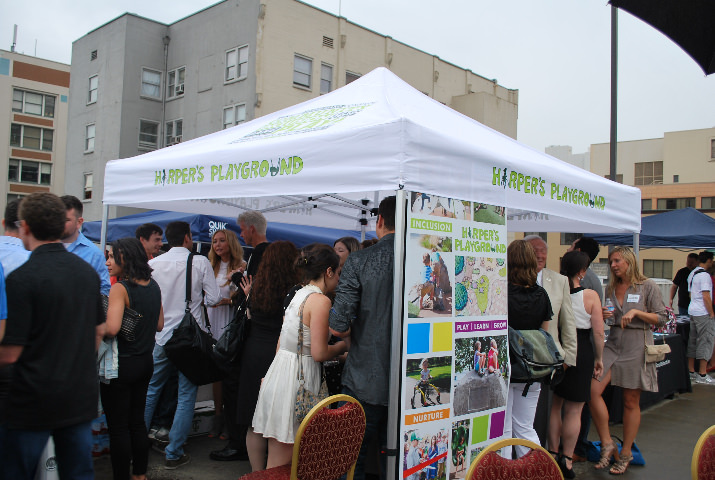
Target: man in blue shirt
column 12, row 251
column 77, row 243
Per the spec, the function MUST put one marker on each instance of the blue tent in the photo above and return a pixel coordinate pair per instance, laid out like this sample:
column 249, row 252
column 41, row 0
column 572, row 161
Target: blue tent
column 684, row 228
column 203, row 226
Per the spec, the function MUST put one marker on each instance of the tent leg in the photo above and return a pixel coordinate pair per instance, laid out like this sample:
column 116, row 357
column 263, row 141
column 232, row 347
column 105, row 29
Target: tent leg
column 103, row 231
column 393, row 411
column 636, row 245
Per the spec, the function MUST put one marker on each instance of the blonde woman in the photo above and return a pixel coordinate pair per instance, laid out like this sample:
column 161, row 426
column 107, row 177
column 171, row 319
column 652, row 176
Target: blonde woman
column 638, row 305
column 226, row 257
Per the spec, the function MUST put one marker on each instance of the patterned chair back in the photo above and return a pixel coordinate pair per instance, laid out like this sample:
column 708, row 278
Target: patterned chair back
column 328, row 441
column 702, row 466
column 538, row 464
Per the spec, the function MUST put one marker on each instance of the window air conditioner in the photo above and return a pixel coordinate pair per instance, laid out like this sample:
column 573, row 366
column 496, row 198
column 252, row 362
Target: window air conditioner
column 180, row 89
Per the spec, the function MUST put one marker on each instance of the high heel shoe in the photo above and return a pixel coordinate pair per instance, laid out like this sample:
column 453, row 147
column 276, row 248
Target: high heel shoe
column 607, row 451
column 567, row 472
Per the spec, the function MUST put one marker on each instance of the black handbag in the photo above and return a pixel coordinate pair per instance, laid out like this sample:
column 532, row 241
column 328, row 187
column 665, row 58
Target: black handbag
column 190, row 349
column 230, row 345
column 130, row 318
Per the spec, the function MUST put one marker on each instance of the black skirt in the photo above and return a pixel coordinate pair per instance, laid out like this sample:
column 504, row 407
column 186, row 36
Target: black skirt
column 576, row 385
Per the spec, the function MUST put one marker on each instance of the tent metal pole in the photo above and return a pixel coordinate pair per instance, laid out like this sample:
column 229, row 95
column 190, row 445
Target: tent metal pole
column 614, row 94
column 636, row 245
column 103, row 231
column 393, row 409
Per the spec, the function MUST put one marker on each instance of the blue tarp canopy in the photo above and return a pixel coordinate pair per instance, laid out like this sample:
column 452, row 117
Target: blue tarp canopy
column 684, row 228
column 203, row 226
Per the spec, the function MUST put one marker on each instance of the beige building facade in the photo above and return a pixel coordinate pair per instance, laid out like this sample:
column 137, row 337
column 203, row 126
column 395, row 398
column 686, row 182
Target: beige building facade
column 139, row 85
column 33, row 124
column 672, row 172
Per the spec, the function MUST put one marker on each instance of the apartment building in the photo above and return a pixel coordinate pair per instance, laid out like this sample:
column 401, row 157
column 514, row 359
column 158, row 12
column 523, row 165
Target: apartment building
column 672, row 172
column 33, row 124
column 138, row 84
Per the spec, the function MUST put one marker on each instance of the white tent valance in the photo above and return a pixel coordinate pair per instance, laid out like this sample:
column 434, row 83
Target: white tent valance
column 377, row 134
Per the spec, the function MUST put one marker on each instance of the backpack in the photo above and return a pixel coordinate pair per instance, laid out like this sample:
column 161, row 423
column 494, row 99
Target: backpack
column 534, row 357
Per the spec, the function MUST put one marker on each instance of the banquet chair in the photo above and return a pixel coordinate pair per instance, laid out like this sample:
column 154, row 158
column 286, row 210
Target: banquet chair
column 326, row 445
column 702, row 467
column 537, row 464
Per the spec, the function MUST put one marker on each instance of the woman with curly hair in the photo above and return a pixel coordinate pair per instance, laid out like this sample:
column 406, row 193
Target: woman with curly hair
column 124, row 397
column 226, row 257
column 274, row 279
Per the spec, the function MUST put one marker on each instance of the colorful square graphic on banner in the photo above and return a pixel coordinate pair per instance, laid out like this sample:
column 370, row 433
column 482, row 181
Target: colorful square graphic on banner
column 418, row 338
column 442, row 337
column 496, row 429
column 480, row 427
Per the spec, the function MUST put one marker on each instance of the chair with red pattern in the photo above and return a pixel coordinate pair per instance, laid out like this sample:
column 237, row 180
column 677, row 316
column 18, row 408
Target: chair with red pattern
column 537, row 464
column 326, row 445
column 702, row 467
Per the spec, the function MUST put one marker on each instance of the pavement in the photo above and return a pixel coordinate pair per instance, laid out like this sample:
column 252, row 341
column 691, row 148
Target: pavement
column 667, row 437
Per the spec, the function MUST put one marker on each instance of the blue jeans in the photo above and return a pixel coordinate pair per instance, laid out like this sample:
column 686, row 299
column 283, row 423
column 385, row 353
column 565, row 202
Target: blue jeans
column 375, row 424
column 163, row 368
column 23, row 448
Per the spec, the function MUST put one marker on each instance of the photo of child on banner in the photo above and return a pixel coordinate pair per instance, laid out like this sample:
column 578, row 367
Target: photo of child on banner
column 428, row 204
column 428, row 276
column 460, row 448
column 425, row 454
column 428, row 382
column 481, row 371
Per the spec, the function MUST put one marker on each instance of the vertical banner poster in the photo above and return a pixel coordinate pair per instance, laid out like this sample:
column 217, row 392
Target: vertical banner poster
column 455, row 364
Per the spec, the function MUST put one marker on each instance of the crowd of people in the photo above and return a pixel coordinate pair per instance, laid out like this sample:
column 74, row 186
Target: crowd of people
column 309, row 307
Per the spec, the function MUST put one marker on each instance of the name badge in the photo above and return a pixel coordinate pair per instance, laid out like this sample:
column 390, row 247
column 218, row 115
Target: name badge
column 633, row 298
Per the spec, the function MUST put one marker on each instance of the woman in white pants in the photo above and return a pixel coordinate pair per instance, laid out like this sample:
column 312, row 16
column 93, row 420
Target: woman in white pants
column 529, row 309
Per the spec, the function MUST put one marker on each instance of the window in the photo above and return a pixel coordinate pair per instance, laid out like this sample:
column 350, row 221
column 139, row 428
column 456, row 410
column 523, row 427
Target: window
column 175, row 82
column 89, row 138
column 351, row 77
column 174, row 132
column 675, row 203
column 93, row 55
column 712, row 149
column 234, row 115
column 302, row 67
column 88, row 183
column 646, row 204
column 151, row 83
column 236, row 64
column 11, row 197
column 658, row 268
column 649, row 173
column 27, row 171
column 26, row 136
column 569, row 238
column 148, row 134
column 676, row 178
column 93, row 84
column 707, row 203
column 541, row 234
column 326, row 78
column 33, row 103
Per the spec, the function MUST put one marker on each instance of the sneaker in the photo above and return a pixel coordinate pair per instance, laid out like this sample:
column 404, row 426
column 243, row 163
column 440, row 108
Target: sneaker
column 693, row 376
column 179, row 462
column 705, row 380
column 162, row 436
column 152, row 432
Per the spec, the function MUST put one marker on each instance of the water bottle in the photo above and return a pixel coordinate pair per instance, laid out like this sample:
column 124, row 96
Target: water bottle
column 611, row 308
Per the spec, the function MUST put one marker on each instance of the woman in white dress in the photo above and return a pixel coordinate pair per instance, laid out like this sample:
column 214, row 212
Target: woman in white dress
column 226, row 257
column 274, row 418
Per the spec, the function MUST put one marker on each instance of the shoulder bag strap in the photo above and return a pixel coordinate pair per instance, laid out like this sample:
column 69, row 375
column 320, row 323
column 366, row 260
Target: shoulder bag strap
column 189, row 264
column 300, row 339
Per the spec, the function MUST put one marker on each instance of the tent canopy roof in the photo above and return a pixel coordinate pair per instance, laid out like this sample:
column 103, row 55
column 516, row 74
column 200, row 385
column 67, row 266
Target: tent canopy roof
column 363, row 141
column 684, row 228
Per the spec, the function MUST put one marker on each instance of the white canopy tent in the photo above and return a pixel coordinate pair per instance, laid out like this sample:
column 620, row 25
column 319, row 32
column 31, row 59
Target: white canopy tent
column 361, row 142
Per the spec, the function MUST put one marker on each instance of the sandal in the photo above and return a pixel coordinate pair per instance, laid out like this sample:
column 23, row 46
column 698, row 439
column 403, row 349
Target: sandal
column 607, row 451
column 621, row 465
column 567, row 472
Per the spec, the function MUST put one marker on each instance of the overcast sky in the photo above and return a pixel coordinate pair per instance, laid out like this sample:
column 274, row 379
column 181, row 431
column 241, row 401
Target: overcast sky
column 555, row 52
